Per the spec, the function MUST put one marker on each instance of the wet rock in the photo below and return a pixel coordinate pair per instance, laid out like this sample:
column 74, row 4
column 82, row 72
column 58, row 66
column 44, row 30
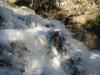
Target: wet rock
column 1, row 19
column 4, row 61
column 1, row 22
column 57, row 40
column 6, row 17
column 73, row 65
column 20, row 2
column 49, row 25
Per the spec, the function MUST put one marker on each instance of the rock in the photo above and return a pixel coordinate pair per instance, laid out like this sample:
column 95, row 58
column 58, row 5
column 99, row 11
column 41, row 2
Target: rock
column 12, row 1
column 4, row 61
column 90, row 40
column 20, row 2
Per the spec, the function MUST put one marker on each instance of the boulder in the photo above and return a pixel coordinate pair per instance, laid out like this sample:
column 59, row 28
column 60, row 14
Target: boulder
column 12, row 1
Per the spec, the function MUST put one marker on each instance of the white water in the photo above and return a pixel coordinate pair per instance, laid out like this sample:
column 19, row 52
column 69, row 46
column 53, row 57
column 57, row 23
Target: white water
column 31, row 45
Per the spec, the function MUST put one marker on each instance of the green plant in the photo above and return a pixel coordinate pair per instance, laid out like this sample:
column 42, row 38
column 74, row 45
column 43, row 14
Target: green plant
column 93, row 25
column 43, row 5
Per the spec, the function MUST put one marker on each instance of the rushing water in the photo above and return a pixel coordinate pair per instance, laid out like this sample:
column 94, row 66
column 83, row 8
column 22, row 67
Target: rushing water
column 31, row 45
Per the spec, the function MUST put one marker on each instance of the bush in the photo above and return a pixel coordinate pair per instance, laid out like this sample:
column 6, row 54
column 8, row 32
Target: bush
column 93, row 25
column 43, row 5
column 37, row 5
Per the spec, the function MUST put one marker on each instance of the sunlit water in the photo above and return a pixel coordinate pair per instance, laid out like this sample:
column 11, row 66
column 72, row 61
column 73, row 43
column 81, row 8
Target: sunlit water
column 31, row 45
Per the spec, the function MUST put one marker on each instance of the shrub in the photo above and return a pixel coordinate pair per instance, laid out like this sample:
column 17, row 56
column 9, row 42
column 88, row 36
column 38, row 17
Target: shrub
column 43, row 5
column 93, row 25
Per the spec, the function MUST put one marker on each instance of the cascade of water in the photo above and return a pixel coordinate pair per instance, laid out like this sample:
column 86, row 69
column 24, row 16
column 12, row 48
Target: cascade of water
column 31, row 45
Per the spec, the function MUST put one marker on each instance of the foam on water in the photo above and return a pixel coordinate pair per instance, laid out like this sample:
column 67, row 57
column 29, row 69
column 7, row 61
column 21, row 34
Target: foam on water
column 31, row 45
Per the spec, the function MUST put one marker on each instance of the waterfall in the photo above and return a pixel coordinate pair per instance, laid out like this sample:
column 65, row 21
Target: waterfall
column 32, row 45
